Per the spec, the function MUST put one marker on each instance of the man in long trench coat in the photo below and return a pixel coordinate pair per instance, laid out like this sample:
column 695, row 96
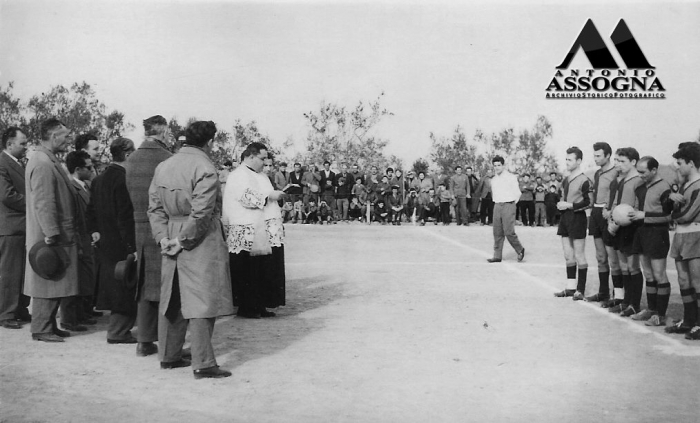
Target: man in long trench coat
column 111, row 215
column 185, row 215
column 51, row 214
column 140, row 168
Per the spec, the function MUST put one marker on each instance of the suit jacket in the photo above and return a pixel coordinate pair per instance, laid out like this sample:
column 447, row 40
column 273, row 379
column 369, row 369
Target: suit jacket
column 111, row 214
column 324, row 177
column 51, row 211
column 280, row 180
column 12, row 200
column 185, row 203
column 140, row 167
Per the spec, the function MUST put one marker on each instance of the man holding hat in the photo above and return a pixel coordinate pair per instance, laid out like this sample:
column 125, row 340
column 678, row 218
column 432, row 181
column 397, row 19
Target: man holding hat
column 52, row 270
column 140, row 168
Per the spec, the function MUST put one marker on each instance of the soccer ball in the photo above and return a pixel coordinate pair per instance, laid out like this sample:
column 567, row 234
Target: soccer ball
column 620, row 214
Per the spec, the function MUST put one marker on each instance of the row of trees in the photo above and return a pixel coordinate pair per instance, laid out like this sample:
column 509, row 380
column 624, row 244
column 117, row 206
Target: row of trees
column 336, row 133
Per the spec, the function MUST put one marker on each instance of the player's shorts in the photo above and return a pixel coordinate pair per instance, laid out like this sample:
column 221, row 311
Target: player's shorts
column 623, row 240
column 598, row 226
column 572, row 225
column 652, row 241
column 685, row 246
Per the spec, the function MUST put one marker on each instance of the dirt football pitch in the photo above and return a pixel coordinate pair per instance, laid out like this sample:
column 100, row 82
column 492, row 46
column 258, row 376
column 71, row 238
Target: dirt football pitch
column 384, row 324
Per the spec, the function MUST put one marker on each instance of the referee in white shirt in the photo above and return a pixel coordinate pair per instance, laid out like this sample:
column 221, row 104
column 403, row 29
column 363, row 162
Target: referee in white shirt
column 506, row 192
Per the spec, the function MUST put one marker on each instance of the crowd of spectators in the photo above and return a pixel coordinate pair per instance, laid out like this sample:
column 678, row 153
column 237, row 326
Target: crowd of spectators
column 325, row 195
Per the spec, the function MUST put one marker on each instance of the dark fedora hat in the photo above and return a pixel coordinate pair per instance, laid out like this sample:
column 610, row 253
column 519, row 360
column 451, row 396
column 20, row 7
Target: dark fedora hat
column 125, row 270
column 49, row 261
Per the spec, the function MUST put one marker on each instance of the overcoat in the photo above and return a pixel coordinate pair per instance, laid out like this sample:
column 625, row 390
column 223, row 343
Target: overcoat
column 112, row 215
column 140, row 167
column 86, row 253
column 51, row 211
column 185, row 203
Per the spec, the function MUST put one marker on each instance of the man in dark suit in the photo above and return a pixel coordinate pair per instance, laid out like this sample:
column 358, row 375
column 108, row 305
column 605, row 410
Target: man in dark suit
column 327, row 173
column 13, row 305
column 139, row 172
column 111, row 222
column 74, row 315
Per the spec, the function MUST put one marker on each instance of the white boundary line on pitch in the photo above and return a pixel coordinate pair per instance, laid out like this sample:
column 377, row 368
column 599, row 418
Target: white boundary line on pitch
column 685, row 350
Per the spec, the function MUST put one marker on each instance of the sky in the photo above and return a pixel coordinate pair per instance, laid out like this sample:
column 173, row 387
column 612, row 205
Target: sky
column 480, row 65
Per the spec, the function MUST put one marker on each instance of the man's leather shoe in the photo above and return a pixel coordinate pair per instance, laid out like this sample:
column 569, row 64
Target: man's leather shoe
column 598, row 297
column 211, row 372
column 23, row 317
column 521, row 255
column 11, row 324
column 46, row 337
column 129, row 340
column 74, row 328
column 493, row 260
column 266, row 313
column 175, row 364
column 565, row 293
column 61, row 333
column 87, row 321
column 144, row 349
column 248, row 314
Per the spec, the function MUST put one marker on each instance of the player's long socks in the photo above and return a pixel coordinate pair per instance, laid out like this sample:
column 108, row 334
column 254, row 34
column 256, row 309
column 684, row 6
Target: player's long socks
column 690, row 306
column 652, row 295
column 637, row 284
column 662, row 296
column 603, row 288
column 571, row 278
column 582, row 275
column 627, row 285
column 618, row 287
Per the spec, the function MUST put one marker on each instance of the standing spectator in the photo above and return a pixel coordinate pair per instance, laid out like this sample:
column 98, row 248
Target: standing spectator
column 140, row 169
column 400, row 181
column 527, row 201
column 50, row 204
column 327, row 174
column 111, row 220
column 445, row 197
column 343, row 194
column 412, row 182
column 310, row 181
column 295, row 189
column 383, row 188
column 472, row 201
column 74, row 312
column 395, row 206
column 554, row 180
column 372, row 179
column 280, row 177
column 391, row 177
column 486, row 196
column 357, row 174
column 540, row 208
column 13, row 304
column 185, row 215
column 460, row 185
column 550, row 203
column 89, row 143
column 506, row 192
column 328, row 195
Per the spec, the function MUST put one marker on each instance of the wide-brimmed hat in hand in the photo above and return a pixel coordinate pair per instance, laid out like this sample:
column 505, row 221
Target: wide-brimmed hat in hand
column 49, row 261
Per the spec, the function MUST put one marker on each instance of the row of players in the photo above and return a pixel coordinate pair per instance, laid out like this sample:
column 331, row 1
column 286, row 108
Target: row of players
column 633, row 242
